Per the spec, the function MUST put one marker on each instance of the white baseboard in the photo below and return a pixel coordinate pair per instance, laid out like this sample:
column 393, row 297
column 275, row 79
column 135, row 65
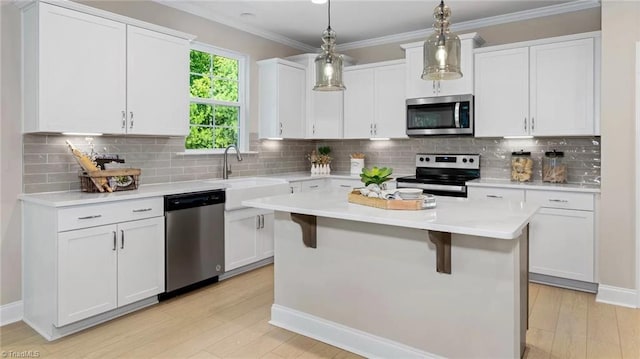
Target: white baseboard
column 617, row 296
column 10, row 313
column 341, row 336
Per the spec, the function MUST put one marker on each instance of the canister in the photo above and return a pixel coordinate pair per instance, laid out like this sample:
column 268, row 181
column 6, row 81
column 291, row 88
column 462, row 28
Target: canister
column 554, row 169
column 521, row 166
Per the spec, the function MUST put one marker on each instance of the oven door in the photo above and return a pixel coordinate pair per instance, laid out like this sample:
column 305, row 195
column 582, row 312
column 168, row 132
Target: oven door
column 451, row 115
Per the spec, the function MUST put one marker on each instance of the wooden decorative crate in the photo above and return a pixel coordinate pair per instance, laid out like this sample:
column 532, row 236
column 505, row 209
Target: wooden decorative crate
column 406, row 204
column 87, row 183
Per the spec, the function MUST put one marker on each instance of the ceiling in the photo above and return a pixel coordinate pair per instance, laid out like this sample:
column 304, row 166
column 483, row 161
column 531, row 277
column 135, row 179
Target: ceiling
column 299, row 23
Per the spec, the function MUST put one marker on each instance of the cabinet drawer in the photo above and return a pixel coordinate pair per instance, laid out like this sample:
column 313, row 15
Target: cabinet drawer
column 508, row 194
column 346, row 184
column 313, row 185
column 566, row 200
column 92, row 215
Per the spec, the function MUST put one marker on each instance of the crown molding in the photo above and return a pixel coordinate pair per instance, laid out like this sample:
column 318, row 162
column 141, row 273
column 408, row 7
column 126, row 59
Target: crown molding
column 476, row 24
column 202, row 11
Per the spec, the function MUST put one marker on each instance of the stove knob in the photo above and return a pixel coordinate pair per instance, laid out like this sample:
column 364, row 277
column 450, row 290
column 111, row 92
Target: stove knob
column 464, row 160
column 422, row 159
column 470, row 160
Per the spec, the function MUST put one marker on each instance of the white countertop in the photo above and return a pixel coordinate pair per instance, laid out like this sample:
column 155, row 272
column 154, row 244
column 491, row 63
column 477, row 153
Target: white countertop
column 504, row 220
column 74, row 198
column 505, row 183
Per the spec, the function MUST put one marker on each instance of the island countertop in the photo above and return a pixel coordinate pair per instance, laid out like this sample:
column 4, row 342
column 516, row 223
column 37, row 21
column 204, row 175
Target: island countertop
column 454, row 215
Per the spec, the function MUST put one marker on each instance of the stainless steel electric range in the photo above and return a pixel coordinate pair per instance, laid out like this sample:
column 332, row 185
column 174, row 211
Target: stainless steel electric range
column 443, row 174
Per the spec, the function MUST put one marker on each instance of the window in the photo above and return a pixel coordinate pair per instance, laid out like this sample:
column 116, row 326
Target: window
column 217, row 89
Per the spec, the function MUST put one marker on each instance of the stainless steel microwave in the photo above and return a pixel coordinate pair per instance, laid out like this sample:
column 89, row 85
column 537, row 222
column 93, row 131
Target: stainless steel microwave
column 446, row 115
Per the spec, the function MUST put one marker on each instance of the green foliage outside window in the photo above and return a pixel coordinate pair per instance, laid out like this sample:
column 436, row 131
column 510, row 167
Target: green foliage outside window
column 214, row 111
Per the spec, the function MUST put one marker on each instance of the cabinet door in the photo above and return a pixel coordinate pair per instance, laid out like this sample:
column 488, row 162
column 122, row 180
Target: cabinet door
column 326, row 116
column 87, row 273
column 291, row 101
column 157, row 83
column 140, row 259
column 359, row 106
column 240, row 238
column 265, row 235
column 390, row 105
column 464, row 85
column 561, row 244
column 502, row 93
column 562, row 88
column 81, row 68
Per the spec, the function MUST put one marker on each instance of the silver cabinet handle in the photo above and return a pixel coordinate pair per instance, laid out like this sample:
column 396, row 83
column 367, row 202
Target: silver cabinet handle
column 281, row 128
column 533, row 124
column 124, row 119
column 559, row 200
column 142, row 210
column 122, row 239
column 131, row 118
column 91, row 217
column 115, row 240
column 493, row 196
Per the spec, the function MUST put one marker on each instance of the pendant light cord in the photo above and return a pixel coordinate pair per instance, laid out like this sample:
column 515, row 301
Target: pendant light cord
column 329, row 13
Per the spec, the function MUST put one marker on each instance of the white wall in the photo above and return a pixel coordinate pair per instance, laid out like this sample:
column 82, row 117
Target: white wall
column 10, row 156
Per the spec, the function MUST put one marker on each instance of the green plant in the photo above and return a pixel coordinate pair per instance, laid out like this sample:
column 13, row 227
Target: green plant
column 324, row 150
column 375, row 175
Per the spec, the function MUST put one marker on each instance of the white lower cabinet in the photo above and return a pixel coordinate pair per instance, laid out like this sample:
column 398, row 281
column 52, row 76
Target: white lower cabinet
column 561, row 234
column 85, row 264
column 102, row 268
column 561, row 244
column 248, row 237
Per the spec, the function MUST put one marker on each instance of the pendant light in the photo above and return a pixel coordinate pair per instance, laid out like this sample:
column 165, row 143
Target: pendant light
column 329, row 63
column 442, row 49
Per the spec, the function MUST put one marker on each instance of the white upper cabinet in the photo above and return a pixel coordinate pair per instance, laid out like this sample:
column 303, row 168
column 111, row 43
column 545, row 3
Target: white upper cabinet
column 157, row 83
column 88, row 73
column 282, row 99
column 374, row 103
column 324, row 109
column 416, row 87
column 540, row 88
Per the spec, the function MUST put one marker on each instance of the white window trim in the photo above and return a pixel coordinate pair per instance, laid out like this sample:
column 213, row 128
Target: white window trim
column 243, row 96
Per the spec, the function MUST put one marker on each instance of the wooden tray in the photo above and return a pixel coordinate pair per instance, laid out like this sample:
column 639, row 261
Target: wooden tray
column 404, row 204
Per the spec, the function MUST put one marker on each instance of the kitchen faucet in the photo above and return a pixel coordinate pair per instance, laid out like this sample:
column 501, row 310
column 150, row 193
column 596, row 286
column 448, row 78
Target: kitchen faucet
column 226, row 168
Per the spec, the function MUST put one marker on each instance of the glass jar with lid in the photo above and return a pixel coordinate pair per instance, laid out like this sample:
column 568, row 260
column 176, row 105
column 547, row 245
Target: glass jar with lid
column 554, row 169
column 521, row 166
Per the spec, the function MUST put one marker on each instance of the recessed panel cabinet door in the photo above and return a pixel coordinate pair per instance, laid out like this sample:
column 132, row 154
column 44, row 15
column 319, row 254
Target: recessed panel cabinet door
column 87, row 273
column 561, row 244
column 390, row 105
column 562, row 88
column 502, row 93
column 82, row 72
column 157, row 83
column 359, row 107
column 140, row 259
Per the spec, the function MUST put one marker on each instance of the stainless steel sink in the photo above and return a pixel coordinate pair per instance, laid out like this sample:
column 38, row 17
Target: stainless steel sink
column 243, row 188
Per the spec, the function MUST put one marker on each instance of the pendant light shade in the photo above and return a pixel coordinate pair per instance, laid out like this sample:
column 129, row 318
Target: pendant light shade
column 328, row 64
column 442, row 49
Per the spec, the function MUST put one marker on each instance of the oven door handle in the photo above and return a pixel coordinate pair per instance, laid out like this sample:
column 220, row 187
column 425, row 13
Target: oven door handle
column 435, row 187
column 456, row 115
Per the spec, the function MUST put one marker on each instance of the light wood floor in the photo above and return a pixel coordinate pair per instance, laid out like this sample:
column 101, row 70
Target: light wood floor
column 229, row 320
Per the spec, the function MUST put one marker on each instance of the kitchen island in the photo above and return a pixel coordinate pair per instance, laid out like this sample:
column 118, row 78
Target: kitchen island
column 445, row 282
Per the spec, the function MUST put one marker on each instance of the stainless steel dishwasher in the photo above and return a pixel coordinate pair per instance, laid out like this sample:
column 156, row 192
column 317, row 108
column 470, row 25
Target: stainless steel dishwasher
column 194, row 238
